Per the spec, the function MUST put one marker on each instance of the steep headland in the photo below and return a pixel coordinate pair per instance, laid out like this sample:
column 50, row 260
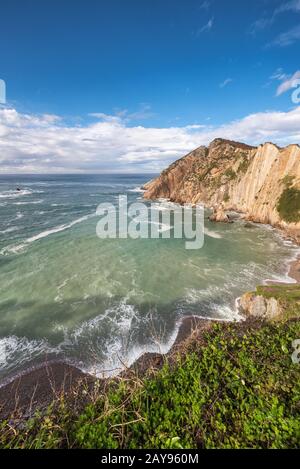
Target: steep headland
column 261, row 182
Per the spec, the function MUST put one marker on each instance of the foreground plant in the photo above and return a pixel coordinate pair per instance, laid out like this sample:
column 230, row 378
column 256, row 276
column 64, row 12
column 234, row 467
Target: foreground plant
column 236, row 388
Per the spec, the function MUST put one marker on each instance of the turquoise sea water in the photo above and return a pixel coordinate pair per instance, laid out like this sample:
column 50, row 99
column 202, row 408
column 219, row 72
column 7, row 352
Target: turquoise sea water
column 64, row 293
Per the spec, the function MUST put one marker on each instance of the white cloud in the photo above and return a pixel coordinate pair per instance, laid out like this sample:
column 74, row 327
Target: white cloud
column 287, row 38
column 288, row 83
column 267, row 21
column 207, row 27
column 205, row 5
column 225, row 82
column 279, row 75
column 293, row 5
column 144, row 112
column 30, row 143
column 105, row 117
column 261, row 24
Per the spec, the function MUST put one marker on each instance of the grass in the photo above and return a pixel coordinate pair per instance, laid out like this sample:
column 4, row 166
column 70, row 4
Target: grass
column 235, row 388
column 289, row 205
column 285, row 292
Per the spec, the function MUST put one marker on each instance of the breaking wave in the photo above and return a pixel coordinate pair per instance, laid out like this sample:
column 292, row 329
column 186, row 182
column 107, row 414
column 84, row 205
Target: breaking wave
column 14, row 249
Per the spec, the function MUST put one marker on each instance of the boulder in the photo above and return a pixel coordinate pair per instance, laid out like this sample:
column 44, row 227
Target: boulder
column 258, row 306
column 219, row 215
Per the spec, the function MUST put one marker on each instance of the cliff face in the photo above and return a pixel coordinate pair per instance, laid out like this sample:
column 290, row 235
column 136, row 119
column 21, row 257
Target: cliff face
column 272, row 302
column 261, row 182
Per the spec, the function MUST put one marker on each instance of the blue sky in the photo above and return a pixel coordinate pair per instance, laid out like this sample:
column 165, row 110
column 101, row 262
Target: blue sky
column 193, row 65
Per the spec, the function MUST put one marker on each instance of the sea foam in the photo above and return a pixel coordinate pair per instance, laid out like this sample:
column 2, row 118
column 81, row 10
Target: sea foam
column 14, row 249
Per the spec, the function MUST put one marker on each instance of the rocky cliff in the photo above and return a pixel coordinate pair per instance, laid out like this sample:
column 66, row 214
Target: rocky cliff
column 261, row 182
column 272, row 302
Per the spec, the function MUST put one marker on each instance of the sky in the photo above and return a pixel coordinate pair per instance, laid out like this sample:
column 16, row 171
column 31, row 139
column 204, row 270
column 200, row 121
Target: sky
column 132, row 85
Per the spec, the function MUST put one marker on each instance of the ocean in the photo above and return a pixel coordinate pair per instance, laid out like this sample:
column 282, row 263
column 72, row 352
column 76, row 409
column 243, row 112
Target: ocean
column 99, row 303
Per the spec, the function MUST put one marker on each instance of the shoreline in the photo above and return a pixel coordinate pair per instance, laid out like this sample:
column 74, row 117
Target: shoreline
column 36, row 387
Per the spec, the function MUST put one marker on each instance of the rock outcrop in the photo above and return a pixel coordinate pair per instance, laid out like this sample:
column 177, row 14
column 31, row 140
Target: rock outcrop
column 261, row 182
column 258, row 306
column 219, row 215
column 280, row 301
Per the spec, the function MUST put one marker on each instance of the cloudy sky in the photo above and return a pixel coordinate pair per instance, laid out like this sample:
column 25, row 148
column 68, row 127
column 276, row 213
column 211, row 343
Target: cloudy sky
column 129, row 86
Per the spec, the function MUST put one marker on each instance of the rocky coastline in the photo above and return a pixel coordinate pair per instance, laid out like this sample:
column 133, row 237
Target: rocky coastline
column 36, row 388
column 261, row 183
column 200, row 177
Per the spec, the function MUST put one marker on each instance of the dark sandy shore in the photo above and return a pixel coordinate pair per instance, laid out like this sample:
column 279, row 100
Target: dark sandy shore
column 36, row 388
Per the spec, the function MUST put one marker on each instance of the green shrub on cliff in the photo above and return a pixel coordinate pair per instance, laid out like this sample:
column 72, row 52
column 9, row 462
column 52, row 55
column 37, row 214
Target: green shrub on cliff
column 244, row 165
column 230, row 174
column 226, row 197
column 236, row 388
column 288, row 180
column 289, row 205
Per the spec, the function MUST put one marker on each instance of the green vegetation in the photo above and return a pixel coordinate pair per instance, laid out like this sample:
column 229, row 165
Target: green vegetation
column 216, row 182
column 226, row 197
column 286, row 292
column 289, row 205
column 236, row 387
column 202, row 176
column 244, row 165
column 287, row 181
column 230, row 174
